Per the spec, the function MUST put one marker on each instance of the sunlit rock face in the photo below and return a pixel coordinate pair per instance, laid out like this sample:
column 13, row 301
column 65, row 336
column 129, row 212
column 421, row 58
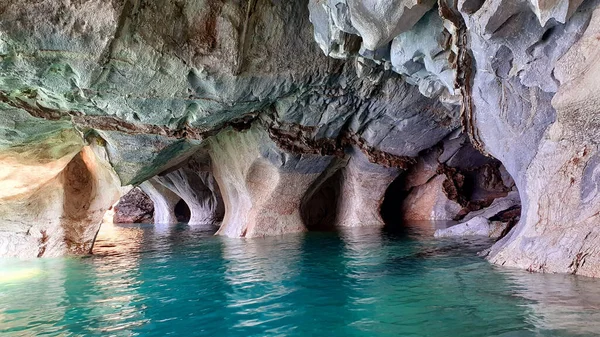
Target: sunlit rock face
column 58, row 213
column 266, row 118
column 55, row 189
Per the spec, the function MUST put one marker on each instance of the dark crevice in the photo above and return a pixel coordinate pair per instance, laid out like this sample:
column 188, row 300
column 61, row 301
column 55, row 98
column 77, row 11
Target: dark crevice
column 300, row 139
column 448, row 183
column 319, row 211
column 392, row 200
column 182, row 211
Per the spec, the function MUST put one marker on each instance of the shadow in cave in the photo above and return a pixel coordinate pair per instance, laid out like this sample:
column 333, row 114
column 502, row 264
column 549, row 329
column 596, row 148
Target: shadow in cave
column 319, row 209
column 390, row 209
column 392, row 199
column 450, row 184
column 182, row 211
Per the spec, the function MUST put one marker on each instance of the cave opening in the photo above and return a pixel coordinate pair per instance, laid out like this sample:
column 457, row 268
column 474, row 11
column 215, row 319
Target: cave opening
column 393, row 197
column 319, row 210
column 193, row 193
column 182, row 211
column 452, row 184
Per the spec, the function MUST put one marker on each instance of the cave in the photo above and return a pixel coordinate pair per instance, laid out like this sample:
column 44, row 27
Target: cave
column 452, row 183
column 182, row 211
column 393, row 198
column 185, row 192
column 319, row 210
column 258, row 123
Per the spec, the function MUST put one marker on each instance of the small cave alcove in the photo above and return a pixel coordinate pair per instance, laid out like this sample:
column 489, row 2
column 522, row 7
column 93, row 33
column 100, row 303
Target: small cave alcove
column 390, row 209
column 451, row 184
column 319, row 210
column 182, row 211
column 134, row 207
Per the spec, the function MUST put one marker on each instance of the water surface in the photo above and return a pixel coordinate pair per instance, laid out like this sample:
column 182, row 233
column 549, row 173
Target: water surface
column 182, row 281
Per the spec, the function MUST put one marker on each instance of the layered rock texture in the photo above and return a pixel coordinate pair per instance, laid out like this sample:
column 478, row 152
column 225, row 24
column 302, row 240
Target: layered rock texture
column 134, row 207
column 269, row 117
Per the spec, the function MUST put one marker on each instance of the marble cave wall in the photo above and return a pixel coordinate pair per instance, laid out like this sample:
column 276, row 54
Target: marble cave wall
column 270, row 117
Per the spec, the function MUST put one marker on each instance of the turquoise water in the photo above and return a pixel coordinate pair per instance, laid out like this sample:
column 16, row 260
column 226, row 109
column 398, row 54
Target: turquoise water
column 179, row 281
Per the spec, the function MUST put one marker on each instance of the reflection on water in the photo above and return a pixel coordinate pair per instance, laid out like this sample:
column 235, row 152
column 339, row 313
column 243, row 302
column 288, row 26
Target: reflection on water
column 42, row 291
column 259, row 273
column 183, row 281
column 560, row 302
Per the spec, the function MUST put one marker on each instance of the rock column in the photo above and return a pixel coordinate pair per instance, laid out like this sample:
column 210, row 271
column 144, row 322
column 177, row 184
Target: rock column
column 262, row 185
column 164, row 201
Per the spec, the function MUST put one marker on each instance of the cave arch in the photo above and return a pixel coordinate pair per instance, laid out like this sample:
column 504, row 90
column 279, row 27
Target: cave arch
column 394, row 196
column 451, row 183
column 182, row 211
column 186, row 192
column 319, row 209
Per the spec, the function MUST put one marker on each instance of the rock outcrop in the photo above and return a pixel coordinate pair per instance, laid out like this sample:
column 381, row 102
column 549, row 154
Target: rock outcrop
column 134, row 207
column 266, row 118
column 478, row 226
column 59, row 208
column 558, row 228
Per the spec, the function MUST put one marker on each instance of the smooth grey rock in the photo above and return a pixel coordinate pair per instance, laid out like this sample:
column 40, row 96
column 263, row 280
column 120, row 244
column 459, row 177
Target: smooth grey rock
column 422, row 55
column 332, row 28
column 498, row 205
column 478, row 226
column 137, row 158
column 377, row 22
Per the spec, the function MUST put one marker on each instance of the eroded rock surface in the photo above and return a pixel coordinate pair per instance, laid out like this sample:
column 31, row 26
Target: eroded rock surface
column 278, row 117
column 134, row 207
column 196, row 186
column 478, row 226
column 558, row 230
column 262, row 185
column 164, row 202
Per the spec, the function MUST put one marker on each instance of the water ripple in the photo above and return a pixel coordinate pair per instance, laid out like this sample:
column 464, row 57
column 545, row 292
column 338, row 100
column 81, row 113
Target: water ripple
column 183, row 281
